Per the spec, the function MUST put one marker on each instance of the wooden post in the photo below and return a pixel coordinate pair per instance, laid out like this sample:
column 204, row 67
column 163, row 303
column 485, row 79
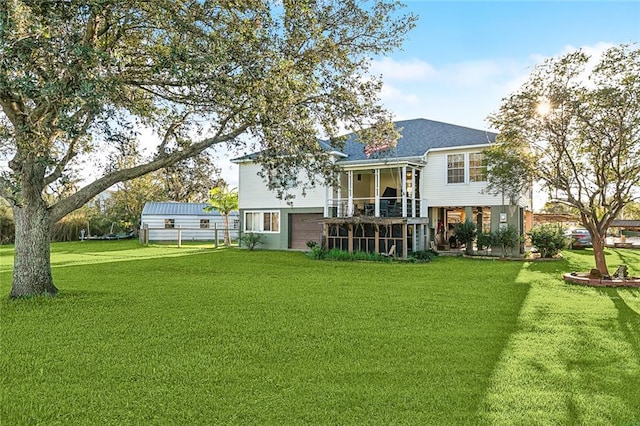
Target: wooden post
column 350, row 238
column 376, row 247
column 215, row 233
column 145, row 234
column 405, row 243
column 180, row 236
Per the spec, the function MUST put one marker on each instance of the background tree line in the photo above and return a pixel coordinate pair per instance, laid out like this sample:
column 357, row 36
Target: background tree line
column 119, row 208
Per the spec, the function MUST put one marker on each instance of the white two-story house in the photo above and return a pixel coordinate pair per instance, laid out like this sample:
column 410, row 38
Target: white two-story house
column 401, row 199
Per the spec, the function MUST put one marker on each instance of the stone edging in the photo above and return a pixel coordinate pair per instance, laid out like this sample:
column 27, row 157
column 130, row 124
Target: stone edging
column 584, row 279
column 511, row 258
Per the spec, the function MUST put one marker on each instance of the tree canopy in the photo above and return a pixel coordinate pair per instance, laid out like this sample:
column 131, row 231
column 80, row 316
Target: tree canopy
column 79, row 76
column 575, row 124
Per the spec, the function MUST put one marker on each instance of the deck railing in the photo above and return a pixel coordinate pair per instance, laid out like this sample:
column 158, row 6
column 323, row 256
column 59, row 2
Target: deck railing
column 385, row 207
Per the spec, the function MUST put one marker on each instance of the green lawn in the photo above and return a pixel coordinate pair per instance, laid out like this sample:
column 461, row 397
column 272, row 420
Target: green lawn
column 162, row 335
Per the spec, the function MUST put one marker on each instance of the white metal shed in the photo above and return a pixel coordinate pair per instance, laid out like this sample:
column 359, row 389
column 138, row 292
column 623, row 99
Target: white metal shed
column 164, row 219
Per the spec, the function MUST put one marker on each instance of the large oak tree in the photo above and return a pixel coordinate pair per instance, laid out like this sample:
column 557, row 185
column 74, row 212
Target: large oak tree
column 78, row 75
column 575, row 127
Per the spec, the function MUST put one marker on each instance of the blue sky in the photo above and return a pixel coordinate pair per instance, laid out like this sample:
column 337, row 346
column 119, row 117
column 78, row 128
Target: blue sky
column 463, row 57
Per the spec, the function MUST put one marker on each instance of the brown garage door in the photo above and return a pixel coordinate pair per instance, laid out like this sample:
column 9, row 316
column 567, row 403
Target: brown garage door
column 304, row 227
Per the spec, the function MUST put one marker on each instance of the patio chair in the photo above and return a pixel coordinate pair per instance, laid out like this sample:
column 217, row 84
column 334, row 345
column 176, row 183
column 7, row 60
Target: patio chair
column 391, row 253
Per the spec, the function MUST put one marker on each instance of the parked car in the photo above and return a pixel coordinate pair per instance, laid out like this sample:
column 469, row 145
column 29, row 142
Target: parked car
column 579, row 239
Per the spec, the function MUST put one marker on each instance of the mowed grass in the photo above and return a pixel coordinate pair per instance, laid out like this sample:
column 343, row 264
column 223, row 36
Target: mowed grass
column 162, row 335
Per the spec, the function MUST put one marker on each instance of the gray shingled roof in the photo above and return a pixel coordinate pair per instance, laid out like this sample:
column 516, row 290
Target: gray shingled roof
column 421, row 135
column 418, row 136
column 323, row 145
column 177, row 209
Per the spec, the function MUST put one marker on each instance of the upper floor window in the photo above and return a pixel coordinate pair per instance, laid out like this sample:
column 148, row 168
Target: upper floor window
column 204, row 223
column 455, row 168
column 262, row 221
column 477, row 167
column 169, row 223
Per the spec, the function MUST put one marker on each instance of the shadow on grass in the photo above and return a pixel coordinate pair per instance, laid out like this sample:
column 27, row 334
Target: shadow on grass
column 628, row 318
column 574, row 358
column 583, row 260
column 631, row 258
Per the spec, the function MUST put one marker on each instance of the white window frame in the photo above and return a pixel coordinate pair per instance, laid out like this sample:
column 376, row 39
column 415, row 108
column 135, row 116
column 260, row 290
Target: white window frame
column 261, row 215
column 481, row 167
column 206, row 222
column 464, row 168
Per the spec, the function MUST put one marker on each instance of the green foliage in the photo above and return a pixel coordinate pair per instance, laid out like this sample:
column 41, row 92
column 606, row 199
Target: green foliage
column 225, row 200
column 319, row 253
column 79, row 79
column 509, row 172
column 484, row 240
column 631, row 210
column 424, row 255
column 555, row 207
column 7, row 225
column 574, row 125
column 83, row 72
column 548, row 239
column 466, row 233
column 459, row 342
column 251, row 240
column 505, row 238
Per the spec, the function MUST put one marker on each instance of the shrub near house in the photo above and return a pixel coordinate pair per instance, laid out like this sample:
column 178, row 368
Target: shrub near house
column 548, row 239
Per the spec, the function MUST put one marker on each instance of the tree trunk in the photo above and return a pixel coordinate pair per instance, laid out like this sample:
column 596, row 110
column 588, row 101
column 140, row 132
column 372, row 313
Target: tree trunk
column 227, row 233
column 32, row 264
column 598, row 252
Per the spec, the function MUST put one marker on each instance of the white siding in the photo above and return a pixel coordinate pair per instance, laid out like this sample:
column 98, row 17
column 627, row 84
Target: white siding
column 254, row 193
column 438, row 192
column 191, row 227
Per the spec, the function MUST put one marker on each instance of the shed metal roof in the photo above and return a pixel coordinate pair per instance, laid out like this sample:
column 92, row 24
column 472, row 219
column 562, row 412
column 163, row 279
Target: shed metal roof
column 177, row 209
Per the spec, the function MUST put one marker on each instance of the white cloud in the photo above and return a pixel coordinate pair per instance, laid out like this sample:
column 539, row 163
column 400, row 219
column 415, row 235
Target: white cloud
column 393, row 70
column 462, row 93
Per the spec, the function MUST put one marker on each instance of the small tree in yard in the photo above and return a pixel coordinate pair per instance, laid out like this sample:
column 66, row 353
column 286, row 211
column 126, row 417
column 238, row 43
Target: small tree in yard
column 466, row 233
column 225, row 200
column 78, row 77
column 483, row 240
column 573, row 127
column 505, row 238
column 548, row 239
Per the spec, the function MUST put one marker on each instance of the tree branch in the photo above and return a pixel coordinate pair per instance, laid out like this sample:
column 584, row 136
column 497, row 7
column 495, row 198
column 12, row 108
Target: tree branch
column 78, row 199
column 71, row 152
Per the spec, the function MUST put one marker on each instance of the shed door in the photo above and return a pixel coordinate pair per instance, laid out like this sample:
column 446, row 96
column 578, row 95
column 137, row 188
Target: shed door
column 304, row 227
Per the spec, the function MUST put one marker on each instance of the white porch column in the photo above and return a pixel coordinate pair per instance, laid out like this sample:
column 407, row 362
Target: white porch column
column 404, row 191
column 413, row 192
column 338, row 201
column 350, row 193
column 377, row 191
column 326, row 200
